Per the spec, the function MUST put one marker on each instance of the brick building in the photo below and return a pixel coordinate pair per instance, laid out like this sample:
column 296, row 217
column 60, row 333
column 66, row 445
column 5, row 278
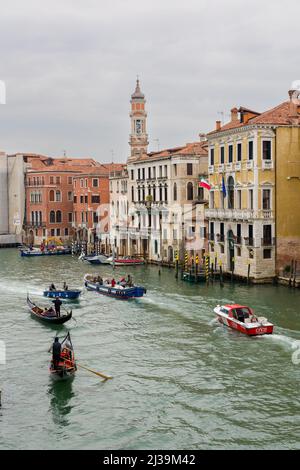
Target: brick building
column 49, row 196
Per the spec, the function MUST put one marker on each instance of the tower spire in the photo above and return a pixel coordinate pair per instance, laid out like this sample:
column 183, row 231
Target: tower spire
column 138, row 137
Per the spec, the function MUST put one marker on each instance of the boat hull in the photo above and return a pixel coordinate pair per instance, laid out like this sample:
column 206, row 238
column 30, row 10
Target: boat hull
column 249, row 329
column 68, row 294
column 63, row 374
column 127, row 262
column 116, row 292
column 51, row 320
column 37, row 253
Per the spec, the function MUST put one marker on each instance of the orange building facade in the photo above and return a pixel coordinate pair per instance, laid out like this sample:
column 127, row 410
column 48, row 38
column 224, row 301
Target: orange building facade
column 91, row 208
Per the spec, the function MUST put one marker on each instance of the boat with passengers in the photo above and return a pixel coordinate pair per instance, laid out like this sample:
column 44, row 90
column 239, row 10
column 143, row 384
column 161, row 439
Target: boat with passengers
column 121, row 290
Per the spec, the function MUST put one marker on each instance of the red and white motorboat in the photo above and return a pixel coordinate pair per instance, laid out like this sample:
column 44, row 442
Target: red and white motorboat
column 127, row 261
column 242, row 318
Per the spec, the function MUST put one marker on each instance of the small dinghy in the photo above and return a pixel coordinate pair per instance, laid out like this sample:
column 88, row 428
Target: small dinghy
column 66, row 367
column 118, row 291
column 47, row 315
column 242, row 318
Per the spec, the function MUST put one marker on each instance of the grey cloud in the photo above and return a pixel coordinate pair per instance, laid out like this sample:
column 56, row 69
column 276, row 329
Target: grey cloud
column 70, row 69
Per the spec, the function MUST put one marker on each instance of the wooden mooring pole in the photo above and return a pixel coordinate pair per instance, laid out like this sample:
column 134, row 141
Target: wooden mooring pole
column 291, row 273
column 295, row 274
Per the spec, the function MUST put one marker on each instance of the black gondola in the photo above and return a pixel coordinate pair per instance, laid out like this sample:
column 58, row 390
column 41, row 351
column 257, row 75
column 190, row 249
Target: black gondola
column 66, row 367
column 47, row 315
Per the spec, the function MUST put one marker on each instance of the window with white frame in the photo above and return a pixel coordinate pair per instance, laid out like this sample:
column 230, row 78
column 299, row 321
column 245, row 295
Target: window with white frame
column 267, row 149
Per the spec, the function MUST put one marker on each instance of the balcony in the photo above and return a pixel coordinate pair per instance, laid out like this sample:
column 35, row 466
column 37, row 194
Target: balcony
column 211, row 237
column 268, row 241
column 238, row 240
column 229, row 166
column 267, row 164
column 33, row 225
column 211, row 170
column 220, row 238
column 221, row 168
column 249, row 241
column 249, row 165
column 238, row 166
column 238, row 214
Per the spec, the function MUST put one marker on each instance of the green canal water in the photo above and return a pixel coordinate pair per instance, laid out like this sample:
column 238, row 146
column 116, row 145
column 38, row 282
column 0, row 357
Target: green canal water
column 180, row 380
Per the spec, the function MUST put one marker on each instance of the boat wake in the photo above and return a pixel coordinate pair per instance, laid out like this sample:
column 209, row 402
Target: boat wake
column 288, row 343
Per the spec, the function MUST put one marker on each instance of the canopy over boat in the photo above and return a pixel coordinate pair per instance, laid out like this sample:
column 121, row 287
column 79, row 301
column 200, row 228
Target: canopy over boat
column 242, row 318
column 66, row 366
column 37, row 252
column 47, row 315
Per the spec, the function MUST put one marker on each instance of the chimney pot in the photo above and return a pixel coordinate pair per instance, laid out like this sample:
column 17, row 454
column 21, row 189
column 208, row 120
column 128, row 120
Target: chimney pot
column 234, row 114
column 218, row 125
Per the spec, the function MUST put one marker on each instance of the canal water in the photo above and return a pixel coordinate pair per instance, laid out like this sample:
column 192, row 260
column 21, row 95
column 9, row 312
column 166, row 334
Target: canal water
column 180, row 379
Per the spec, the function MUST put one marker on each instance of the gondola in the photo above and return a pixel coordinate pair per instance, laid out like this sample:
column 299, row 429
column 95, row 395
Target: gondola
column 47, row 315
column 66, row 367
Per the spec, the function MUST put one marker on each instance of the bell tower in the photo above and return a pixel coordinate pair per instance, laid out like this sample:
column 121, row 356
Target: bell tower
column 138, row 139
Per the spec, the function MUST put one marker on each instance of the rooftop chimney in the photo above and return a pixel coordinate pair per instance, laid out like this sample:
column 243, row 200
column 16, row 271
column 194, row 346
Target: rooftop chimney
column 234, row 114
column 218, row 125
column 294, row 103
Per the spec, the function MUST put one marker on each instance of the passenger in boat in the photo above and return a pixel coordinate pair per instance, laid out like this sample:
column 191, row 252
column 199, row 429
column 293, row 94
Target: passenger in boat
column 57, row 303
column 240, row 315
column 129, row 281
column 65, row 287
column 122, row 282
column 100, row 280
column 113, row 282
column 52, row 287
column 56, row 351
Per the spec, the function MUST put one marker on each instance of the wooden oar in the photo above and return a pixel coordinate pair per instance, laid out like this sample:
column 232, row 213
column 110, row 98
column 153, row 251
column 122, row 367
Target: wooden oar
column 105, row 377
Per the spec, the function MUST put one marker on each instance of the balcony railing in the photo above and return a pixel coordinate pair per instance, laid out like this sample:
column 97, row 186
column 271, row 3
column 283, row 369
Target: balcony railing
column 267, row 164
column 211, row 170
column 249, row 241
column 238, row 214
column 220, row 238
column 249, row 164
column 238, row 240
column 268, row 241
column 221, row 168
column 211, row 237
column 32, row 224
column 238, row 166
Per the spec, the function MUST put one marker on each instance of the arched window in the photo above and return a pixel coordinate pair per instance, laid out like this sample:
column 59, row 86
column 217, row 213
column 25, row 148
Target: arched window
column 132, row 193
column 52, row 217
column 51, row 195
column 175, row 192
column 160, row 193
column 58, row 217
column 166, row 193
column 190, row 191
column 230, row 185
column 58, row 196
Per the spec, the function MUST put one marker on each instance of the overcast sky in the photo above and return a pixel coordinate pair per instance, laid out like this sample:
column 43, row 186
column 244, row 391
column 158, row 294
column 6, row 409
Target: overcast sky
column 70, row 68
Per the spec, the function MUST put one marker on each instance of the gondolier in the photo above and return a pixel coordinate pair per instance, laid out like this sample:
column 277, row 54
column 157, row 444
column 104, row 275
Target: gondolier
column 57, row 303
column 56, row 350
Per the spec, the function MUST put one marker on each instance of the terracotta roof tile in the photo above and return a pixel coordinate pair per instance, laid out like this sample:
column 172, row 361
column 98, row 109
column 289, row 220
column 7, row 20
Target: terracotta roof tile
column 280, row 115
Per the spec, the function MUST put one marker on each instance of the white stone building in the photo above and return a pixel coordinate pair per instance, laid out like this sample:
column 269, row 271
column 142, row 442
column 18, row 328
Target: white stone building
column 12, row 198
